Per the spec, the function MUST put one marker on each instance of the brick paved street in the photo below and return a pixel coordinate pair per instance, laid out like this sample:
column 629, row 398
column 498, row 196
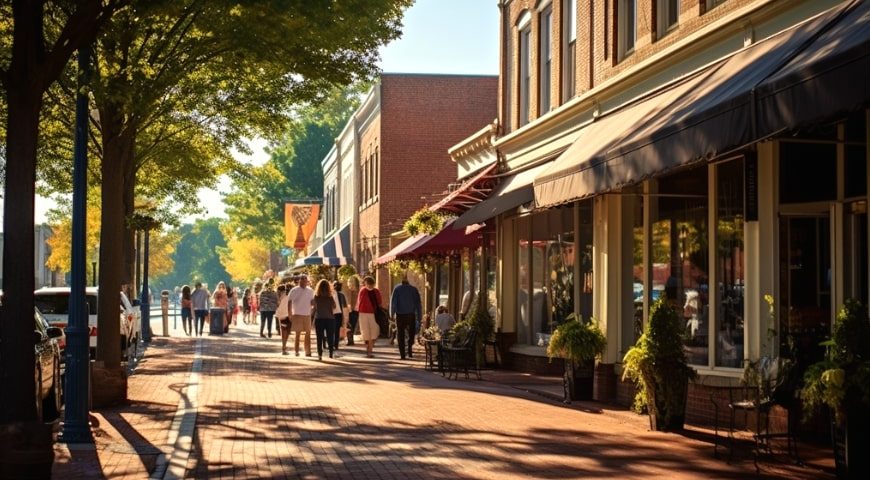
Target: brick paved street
column 261, row 414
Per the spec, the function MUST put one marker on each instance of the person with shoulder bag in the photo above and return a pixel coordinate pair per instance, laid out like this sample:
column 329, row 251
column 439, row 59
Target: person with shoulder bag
column 339, row 312
column 369, row 303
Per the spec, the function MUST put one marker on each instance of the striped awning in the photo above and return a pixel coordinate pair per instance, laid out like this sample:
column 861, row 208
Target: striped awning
column 335, row 250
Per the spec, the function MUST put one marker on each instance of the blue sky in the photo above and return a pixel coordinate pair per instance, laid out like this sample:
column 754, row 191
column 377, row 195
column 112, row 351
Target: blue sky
column 439, row 36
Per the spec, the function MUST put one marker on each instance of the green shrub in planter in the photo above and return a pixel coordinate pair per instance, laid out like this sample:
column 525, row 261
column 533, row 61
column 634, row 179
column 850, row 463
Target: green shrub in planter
column 842, row 382
column 482, row 322
column 579, row 343
column 657, row 364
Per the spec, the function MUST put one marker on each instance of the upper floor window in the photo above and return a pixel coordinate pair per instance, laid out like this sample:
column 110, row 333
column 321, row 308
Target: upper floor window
column 546, row 48
column 525, row 73
column 668, row 15
column 569, row 48
column 627, row 16
column 713, row 3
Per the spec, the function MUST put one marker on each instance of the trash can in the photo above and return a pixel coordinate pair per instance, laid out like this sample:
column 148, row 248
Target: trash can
column 216, row 321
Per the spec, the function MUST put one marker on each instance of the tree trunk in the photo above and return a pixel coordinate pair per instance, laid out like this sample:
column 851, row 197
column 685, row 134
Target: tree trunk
column 17, row 401
column 117, row 149
column 130, row 252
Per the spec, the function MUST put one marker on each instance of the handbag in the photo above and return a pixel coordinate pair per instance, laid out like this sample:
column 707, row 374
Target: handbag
column 381, row 315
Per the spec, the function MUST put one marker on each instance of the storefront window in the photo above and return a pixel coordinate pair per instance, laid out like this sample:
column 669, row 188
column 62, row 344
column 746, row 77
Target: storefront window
column 680, row 255
column 584, row 258
column 524, row 326
column 442, row 283
column 539, row 306
column 632, row 319
column 491, row 259
column 730, row 268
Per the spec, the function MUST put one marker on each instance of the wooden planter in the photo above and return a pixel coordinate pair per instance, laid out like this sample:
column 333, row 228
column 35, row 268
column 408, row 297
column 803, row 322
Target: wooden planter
column 578, row 380
column 667, row 405
column 851, row 440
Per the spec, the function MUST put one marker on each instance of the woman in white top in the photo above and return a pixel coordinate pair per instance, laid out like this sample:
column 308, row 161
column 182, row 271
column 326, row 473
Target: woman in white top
column 443, row 320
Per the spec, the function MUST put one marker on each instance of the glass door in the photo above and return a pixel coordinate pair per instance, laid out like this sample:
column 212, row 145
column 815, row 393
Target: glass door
column 805, row 286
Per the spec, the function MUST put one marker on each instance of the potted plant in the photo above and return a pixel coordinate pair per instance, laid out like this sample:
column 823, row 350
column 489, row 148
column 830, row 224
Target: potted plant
column 657, row 364
column 482, row 322
column 842, row 382
column 579, row 343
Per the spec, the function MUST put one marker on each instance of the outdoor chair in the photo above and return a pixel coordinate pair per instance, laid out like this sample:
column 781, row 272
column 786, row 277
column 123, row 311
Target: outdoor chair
column 775, row 387
column 459, row 356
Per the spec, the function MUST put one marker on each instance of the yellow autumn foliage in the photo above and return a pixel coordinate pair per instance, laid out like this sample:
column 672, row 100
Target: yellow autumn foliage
column 245, row 258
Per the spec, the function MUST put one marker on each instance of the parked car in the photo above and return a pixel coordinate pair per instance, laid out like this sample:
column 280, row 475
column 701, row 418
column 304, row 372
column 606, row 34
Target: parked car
column 49, row 384
column 53, row 302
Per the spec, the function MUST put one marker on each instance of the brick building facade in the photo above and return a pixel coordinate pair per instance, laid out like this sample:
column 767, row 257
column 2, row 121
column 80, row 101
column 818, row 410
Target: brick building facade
column 411, row 123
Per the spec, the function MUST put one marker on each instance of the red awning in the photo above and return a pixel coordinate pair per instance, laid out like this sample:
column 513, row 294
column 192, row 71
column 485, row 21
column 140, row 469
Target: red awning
column 468, row 194
column 445, row 241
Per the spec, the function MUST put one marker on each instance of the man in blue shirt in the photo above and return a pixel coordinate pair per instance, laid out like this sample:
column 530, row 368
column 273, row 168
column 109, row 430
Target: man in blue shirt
column 406, row 308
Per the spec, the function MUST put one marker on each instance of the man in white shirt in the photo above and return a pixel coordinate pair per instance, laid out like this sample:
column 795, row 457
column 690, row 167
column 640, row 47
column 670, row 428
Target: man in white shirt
column 299, row 299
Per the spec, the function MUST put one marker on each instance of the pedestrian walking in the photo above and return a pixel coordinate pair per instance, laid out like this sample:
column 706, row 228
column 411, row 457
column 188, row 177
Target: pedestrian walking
column 282, row 316
column 353, row 287
column 301, row 298
column 255, row 302
column 268, row 304
column 199, row 299
column 246, row 306
column 219, row 310
column 324, row 306
column 232, row 306
column 186, row 310
column 407, row 309
column 338, row 312
column 369, row 303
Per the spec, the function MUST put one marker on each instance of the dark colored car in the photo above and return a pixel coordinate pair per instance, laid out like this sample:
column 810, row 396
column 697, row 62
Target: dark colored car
column 48, row 364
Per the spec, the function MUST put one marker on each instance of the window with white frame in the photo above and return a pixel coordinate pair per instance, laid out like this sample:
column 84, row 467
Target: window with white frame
column 668, row 15
column 569, row 48
column 525, row 73
column 627, row 35
column 546, row 58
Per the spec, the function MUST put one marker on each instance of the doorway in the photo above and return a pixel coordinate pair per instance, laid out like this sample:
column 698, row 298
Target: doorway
column 805, row 286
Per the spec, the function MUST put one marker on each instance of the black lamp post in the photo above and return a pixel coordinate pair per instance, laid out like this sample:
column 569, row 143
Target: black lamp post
column 145, row 222
column 75, row 426
column 94, row 272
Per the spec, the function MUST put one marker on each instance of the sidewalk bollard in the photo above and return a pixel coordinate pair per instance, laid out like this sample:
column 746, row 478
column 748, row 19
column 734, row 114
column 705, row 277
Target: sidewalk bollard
column 164, row 307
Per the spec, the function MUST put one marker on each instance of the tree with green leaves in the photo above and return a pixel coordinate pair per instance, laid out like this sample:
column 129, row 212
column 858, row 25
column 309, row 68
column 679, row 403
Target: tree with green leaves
column 37, row 39
column 178, row 84
column 197, row 255
column 256, row 206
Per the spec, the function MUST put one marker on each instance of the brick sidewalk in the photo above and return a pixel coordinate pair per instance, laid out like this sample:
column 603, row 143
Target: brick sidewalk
column 129, row 439
column 261, row 414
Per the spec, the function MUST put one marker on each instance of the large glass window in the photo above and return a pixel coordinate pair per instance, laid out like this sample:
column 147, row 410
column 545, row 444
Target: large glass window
column 632, row 319
column 546, row 269
column 524, row 326
column 731, row 275
column 680, row 255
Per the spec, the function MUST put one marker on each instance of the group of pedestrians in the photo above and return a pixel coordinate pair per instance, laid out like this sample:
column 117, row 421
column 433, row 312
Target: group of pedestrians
column 295, row 307
column 199, row 305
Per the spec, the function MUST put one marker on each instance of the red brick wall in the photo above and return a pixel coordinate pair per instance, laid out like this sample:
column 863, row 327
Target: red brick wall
column 421, row 117
column 596, row 57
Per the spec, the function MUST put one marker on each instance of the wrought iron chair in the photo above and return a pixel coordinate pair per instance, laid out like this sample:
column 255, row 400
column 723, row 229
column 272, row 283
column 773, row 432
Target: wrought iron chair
column 459, row 356
column 774, row 385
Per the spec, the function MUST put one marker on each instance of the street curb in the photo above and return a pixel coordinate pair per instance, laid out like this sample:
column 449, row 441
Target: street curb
column 183, row 425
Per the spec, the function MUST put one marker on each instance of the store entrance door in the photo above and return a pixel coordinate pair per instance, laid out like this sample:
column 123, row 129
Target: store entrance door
column 805, row 286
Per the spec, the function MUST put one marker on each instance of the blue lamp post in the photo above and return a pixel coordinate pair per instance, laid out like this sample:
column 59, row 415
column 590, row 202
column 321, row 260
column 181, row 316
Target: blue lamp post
column 75, row 426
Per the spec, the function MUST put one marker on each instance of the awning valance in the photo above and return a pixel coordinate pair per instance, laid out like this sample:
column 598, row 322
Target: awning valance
column 468, row 194
column 335, row 250
column 446, row 241
column 697, row 117
column 512, row 192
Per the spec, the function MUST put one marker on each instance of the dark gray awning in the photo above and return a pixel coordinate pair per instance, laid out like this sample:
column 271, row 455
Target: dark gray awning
column 825, row 81
column 694, row 118
column 512, row 192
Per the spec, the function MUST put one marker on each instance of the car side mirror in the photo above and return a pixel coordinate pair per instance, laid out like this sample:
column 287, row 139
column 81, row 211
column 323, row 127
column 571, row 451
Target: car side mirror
column 135, row 302
column 37, row 337
column 54, row 332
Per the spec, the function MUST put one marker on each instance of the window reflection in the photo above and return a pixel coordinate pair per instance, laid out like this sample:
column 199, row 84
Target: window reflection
column 729, row 255
column 680, row 255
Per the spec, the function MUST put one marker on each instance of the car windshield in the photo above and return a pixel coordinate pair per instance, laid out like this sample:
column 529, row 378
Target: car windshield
column 59, row 304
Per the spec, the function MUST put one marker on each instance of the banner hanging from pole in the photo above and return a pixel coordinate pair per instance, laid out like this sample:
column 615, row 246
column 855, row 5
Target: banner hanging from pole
column 300, row 220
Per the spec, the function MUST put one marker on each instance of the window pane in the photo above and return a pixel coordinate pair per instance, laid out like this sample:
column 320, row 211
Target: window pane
column 584, row 231
column 795, row 160
column 560, row 261
column 539, row 305
column 680, row 256
column 523, row 277
column 571, row 24
column 545, row 47
column 731, row 271
column 632, row 320
column 856, row 170
column 525, row 75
